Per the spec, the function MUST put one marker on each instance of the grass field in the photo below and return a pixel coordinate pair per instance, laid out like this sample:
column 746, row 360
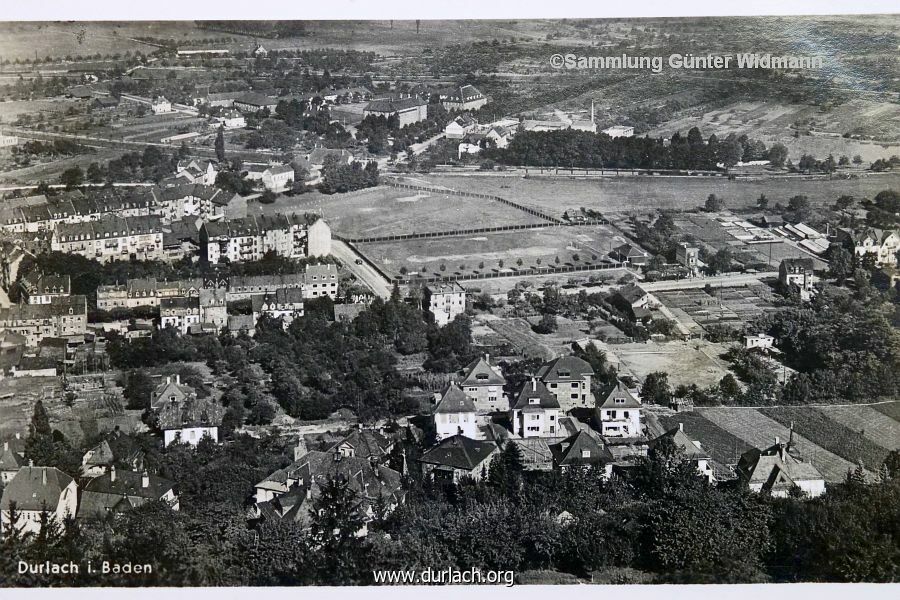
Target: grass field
column 871, row 423
column 760, row 431
column 819, row 428
column 685, row 362
column 383, row 211
column 890, row 409
column 626, row 194
column 534, row 247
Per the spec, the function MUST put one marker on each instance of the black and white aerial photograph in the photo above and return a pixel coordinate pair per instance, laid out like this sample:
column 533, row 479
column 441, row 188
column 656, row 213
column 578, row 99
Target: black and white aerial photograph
column 499, row 302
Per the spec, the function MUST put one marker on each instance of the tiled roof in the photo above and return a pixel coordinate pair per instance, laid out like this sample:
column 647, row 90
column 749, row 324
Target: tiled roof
column 571, row 450
column 193, row 412
column 682, row 440
column 480, row 372
column 102, row 495
column 459, row 452
column 535, row 389
column 618, row 391
column 454, row 400
column 393, row 106
column 35, row 488
column 565, row 367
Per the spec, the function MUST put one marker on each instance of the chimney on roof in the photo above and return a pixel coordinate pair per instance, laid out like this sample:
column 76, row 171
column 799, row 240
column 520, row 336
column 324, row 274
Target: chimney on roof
column 145, row 479
column 681, row 426
column 777, row 440
column 44, row 476
column 487, row 358
column 30, row 462
column 112, row 473
column 533, row 384
column 178, row 378
column 18, row 436
column 168, row 380
column 5, row 446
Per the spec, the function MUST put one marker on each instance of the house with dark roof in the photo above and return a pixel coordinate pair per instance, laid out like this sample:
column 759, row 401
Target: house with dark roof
column 535, row 413
column 569, row 379
column 458, row 456
column 629, row 253
column 288, row 493
column 118, row 491
column 38, row 288
column 581, row 450
column 254, row 101
column 12, row 458
column 483, row 385
column 35, row 490
column 454, row 413
column 364, row 443
column 775, row 471
column 690, row 447
column 798, row 273
column 190, row 420
column 618, row 412
column 98, row 460
column 466, row 97
column 407, row 110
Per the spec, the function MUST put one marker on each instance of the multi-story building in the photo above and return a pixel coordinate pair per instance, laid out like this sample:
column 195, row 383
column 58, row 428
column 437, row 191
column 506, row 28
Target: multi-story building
column 197, row 171
column 112, row 238
column 688, row 256
column 466, row 97
column 535, row 412
column 798, row 272
column 161, row 105
column 176, row 202
column 117, row 491
column 483, row 385
column 180, row 313
column 33, row 491
column 407, row 110
column 882, row 244
column 63, row 317
column 285, row 304
column 569, row 379
column 444, row 301
column 231, row 119
column 214, row 308
column 278, row 178
column 454, row 414
column 618, row 412
column 145, row 292
column 38, row 288
column 253, row 102
column 191, row 420
column 251, row 238
column 691, row 449
column 458, row 457
column 320, row 280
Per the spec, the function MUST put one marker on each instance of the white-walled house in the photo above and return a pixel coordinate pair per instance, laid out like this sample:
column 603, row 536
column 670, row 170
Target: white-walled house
column 190, row 420
column 161, row 105
column 31, row 492
column 618, row 412
column 759, row 341
column 775, row 471
column 454, row 414
column 535, row 412
column 444, row 301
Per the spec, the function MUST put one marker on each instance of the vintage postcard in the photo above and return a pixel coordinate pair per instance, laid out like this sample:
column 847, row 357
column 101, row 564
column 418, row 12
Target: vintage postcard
column 450, row 302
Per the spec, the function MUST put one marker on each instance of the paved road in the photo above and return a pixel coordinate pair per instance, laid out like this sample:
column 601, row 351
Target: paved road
column 364, row 273
column 715, row 281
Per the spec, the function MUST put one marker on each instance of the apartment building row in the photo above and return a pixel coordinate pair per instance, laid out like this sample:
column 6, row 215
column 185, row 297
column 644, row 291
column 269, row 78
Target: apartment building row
column 316, row 281
column 251, row 238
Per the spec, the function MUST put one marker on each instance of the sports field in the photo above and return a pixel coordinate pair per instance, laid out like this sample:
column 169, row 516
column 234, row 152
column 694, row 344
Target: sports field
column 495, row 252
column 383, row 211
column 636, row 194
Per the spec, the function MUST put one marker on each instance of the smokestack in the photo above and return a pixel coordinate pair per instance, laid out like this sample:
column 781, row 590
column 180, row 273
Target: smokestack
column 145, row 479
column 112, row 473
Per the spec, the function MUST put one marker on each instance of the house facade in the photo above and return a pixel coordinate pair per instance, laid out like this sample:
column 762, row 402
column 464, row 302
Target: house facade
column 444, row 302
column 483, row 385
column 776, row 471
column 535, row 413
column 63, row 317
column 33, row 491
column 285, row 304
column 466, row 97
column 190, row 420
column 569, row 379
column 118, row 491
column 38, row 288
column 618, row 412
column 454, row 414
column 112, row 238
column 458, row 457
column 179, row 313
column 250, row 238
column 407, row 110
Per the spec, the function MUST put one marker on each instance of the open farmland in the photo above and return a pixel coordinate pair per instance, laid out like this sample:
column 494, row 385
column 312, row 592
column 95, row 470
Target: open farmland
column 760, row 431
column 830, row 434
column 497, row 251
column 731, row 306
column 685, row 362
column 558, row 194
column 384, row 211
column 869, row 422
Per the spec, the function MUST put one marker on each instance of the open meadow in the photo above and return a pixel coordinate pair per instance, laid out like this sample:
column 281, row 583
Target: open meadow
column 558, row 194
column 495, row 252
column 385, row 211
